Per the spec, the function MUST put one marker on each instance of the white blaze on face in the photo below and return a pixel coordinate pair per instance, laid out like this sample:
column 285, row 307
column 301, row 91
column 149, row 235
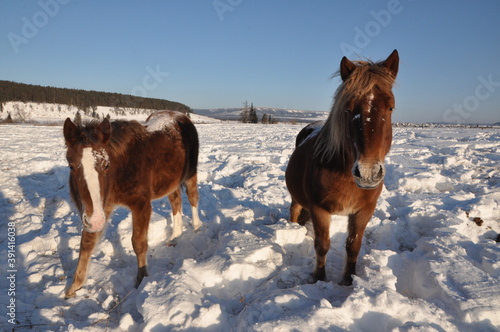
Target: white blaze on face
column 95, row 222
column 370, row 99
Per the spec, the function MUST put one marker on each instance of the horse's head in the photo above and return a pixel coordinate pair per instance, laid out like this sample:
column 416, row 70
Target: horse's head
column 88, row 161
column 363, row 108
column 369, row 116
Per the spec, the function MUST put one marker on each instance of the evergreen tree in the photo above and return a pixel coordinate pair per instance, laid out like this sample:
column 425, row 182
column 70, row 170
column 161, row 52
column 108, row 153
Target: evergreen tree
column 9, row 119
column 265, row 119
column 78, row 118
column 245, row 113
column 253, row 115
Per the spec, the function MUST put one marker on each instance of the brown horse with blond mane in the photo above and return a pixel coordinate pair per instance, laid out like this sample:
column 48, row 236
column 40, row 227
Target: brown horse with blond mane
column 338, row 166
column 126, row 163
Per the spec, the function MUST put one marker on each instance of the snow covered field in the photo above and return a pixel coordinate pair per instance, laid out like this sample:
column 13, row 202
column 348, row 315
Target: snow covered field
column 425, row 264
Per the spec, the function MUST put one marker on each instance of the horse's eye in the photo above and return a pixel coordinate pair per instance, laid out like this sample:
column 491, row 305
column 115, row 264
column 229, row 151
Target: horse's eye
column 106, row 166
column 72, row 168
column 392, row 109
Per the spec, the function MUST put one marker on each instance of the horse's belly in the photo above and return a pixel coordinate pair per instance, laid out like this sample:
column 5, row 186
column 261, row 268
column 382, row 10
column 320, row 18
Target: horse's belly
column 161, row 189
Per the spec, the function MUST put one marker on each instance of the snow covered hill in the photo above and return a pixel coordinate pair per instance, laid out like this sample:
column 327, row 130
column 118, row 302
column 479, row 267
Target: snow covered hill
column 430, row 259
column 57, row 113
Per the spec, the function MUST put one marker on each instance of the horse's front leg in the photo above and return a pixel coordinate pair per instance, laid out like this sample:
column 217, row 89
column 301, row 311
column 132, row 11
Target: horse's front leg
column 321, row 224
column 356, row 228
column 141, row 213
column 87, row 245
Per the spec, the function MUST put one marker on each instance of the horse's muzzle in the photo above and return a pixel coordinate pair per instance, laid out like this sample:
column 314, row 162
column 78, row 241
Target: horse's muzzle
column 368, row 175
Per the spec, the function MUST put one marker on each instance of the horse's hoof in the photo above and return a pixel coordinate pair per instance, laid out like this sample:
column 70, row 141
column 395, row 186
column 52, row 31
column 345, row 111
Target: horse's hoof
column 346, row 281
column 143, row 272
column 319, row 275
column 71, row 292
column 69, row 295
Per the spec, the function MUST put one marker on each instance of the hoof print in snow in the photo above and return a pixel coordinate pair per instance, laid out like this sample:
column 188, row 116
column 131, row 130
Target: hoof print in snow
column 171, row 243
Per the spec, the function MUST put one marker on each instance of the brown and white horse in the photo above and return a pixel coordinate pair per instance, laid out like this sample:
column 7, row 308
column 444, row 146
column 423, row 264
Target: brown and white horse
column 338, row 168
column 126, row 163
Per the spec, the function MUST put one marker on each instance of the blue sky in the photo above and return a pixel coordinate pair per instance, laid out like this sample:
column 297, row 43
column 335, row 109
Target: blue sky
column 220, row 53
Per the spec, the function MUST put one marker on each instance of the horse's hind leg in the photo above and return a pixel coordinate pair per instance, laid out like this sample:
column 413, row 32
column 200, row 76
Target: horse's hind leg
column 176, row 203
column 87, row 245
column 192, row 193
column 298, row 214
column 295, row 211
column 356, row 228
column 141, row 213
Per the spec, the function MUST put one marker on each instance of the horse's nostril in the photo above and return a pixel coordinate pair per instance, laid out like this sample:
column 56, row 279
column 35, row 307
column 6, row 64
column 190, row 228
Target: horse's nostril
column 357, row 173
column 380, row 172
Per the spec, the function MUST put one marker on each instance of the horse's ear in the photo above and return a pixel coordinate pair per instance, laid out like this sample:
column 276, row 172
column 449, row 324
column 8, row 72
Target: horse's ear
column 392, row 63
column 346, row 68
column 70, row 131
column 104, row 131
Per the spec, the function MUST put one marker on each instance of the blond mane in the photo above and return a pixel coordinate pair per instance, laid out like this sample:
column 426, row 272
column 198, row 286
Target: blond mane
column 333, row 139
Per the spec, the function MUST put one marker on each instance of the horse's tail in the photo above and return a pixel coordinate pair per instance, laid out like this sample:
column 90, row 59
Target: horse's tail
column 191, row 145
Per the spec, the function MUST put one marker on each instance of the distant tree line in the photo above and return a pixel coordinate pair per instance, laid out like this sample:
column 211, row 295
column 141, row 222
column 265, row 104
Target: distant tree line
column 83, row 99
column 249, row 115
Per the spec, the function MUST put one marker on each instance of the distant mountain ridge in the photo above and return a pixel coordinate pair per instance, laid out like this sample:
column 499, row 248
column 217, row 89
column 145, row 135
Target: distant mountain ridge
column 281, row 114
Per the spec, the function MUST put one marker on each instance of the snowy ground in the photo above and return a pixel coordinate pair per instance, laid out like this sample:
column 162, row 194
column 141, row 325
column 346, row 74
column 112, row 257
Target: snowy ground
column 425, row 264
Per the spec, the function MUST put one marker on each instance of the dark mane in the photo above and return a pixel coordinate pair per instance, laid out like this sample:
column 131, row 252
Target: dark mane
column 87, row 132
column 122, row 134
column 332, row 139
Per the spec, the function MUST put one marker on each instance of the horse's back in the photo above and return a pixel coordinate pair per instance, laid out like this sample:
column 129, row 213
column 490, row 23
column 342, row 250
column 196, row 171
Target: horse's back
column 308, row 131
column 180, row 124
